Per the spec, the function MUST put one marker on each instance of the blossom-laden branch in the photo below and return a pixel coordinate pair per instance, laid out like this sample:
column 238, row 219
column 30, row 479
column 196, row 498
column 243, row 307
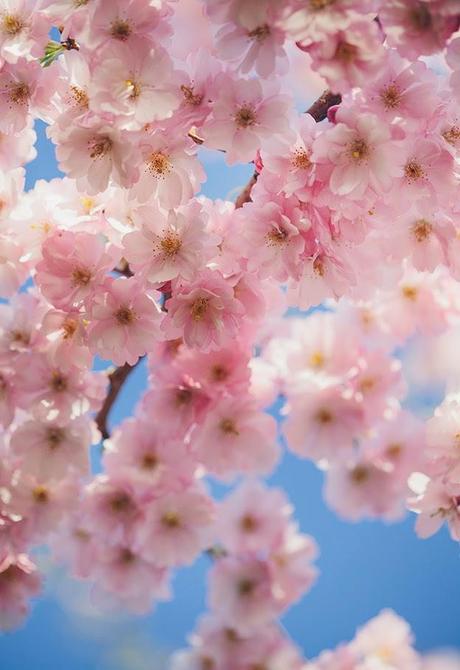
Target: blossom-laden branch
column 318, row 111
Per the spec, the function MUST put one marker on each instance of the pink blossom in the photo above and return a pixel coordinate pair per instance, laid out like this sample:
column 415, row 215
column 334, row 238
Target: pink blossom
column 244, row 114
column 134, row 85
column 205, row 313
column 170, row 172
column 322, row 422
column 178, row 527
column 94, row 155
column 241, row 593
column 19, row 580
column 49, row 449
column 252, row 519
column 415, row 27
column 438, row 504
column 25, row 88
column 73, row 266
column 349, row 56
column 123, row 321
column 236, row 437
column 168, row 245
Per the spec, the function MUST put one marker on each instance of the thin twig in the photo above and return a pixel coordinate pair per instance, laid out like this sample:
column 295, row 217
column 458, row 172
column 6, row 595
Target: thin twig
column 116, row 380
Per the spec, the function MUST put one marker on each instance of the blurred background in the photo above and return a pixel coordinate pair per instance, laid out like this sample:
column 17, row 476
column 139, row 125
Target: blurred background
column 364, row 567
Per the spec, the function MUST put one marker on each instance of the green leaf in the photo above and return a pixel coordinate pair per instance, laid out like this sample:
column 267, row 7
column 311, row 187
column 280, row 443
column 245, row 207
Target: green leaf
column 52, row 51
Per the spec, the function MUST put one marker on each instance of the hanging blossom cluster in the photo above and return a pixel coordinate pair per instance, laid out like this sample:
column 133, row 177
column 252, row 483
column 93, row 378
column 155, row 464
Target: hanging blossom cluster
column 353, row 204
column 384, row 642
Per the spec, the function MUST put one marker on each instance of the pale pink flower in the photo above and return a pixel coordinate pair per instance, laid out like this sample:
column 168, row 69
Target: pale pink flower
column 439, row 503
column 205, row 313
column 221, row 372
column 134, row 84
column 322, row 422
column 428, row 171
column 242, row 594
column 13, row 271
column 236, row 437
column 48, row 449
column 443, row 434
column 357, row 154
column 19, row 581
column 94, row 155
column 25, row 88
column 124, row 322
column 260, row 48
column 386, row 639
column 178, row 527
column 170, row 173
column 127, row 21
column 73, row 267
column 291, row 565
column 67, row 337
column 153, row 460
column 17, row 148
column 244, row 114
column 349, row 56
column 23, row 30
column 134, row 581
column 415, row 27
column 287, row 162
column 272, row 237
column 169, row 244
column 197, row 88
column 252, row 518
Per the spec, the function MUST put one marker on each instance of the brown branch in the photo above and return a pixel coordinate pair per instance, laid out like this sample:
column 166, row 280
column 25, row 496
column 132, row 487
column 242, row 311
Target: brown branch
column 318, row 111
column 320, row 107
column 116, row 380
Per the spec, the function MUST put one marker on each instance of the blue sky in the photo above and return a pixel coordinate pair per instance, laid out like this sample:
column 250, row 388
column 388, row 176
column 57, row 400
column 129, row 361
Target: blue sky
column 364, row 567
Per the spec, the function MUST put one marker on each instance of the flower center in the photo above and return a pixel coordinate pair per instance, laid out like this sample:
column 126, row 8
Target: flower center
column 318, row 5
column 69, row 327
column 422, row 230
column 40, row 494
column 248, row 523
column 323, row 416
column 19, row 93
column 120, row 29
column 420, row 17
column 79, row 96
column 171, row 244
column 134, row 88
column 359, row 474
column 393, row 450
column 100, row 146
column 245, row 117
column 149, row 462
column 390, row 96
column 58, row 382
column 260, row 33
column 190, row 97
column 159, row 164
column 319, row 267
column 245, row 586
column 81, row 277
column 12, row 24
column 54, row 437
column 277, row 236
column 359, row 149
column 171, row 520
column 410, row 292
column 183, row 396
column 121, row 502
column 413, row 171
column 346, row 53
column 126, row 556
column 219, row 373
column 199, row 308
column 301, row 159
column 228, row 427
column 452, row 135
column 317, row 359
column 125, row 316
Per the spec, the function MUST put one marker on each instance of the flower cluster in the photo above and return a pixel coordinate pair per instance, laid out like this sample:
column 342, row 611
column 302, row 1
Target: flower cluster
column 353, row 204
